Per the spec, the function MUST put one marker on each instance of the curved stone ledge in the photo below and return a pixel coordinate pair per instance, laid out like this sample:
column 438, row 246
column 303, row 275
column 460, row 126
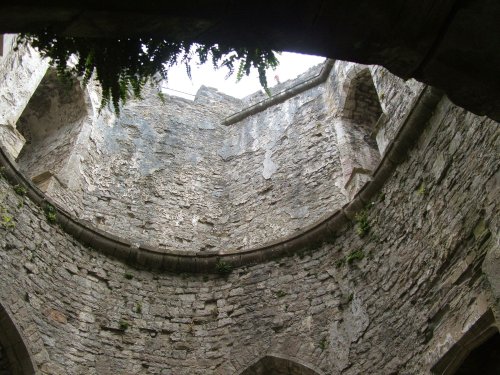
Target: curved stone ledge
column 280, row 97
column 309, row 238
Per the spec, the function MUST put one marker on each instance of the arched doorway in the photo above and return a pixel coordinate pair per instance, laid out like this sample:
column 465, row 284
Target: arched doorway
column 485, row 359
column 274, row 365
column 14, row 356
column 4, row 362
column 477, row 352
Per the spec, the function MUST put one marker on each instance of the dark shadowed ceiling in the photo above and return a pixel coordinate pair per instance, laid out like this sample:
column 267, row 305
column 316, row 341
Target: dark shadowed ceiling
column 453, row 45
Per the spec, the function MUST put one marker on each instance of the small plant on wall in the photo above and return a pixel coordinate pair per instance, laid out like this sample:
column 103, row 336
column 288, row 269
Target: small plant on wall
column 138, row 308
column 20, row 190
column 8, row 221
column 50, row 213
column 323, row 343
column 223, row 267
column 123, row 325
column 280, row 293
column 354, row 256
column 422, row 190
column 362, row 224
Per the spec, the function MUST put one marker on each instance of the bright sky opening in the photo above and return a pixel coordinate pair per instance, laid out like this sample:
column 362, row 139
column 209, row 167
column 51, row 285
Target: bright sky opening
column 179, row 84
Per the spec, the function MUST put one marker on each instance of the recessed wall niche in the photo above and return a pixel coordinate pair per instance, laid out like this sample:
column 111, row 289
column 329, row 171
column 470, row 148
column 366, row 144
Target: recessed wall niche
column 361, row 114
column 50, row 124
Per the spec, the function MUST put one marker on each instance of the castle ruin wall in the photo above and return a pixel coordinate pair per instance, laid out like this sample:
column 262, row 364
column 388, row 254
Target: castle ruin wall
column 414, row 288
column 169, row 175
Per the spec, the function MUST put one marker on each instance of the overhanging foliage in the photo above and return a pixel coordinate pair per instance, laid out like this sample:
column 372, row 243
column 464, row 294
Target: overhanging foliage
column 123, row 66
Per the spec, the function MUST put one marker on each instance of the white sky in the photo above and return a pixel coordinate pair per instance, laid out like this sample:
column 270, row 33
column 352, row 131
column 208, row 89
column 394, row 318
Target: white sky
column 291, row 65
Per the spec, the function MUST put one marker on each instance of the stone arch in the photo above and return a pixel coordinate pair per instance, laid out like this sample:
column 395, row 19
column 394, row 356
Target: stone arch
column 51, row 124
column 482, row 336
column 18, row 358
column 273, row 364
column 360, row 114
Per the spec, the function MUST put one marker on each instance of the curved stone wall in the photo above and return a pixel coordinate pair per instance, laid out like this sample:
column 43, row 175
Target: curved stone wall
column 168, row 175
column 171, row 176
column 418, row 251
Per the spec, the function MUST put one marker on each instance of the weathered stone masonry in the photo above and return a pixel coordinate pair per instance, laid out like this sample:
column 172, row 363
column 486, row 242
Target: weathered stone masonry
column 170, row 176
column 392, row 292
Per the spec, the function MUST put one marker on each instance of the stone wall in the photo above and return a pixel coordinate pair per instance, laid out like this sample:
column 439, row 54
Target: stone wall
column 396, row 96
column 370, row 106
column 163, row 174
column 389, row 296
column 282, row 170
column 169, row 175
column 153, row 173
column 189, row 183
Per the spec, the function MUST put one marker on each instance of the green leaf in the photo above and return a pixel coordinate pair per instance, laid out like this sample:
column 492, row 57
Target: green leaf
column 123, row 66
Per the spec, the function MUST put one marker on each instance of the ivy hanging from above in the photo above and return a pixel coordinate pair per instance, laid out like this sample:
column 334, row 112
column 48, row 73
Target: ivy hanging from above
column 123, row 66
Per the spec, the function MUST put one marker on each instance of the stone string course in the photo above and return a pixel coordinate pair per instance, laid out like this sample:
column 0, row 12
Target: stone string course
column 342, row 308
